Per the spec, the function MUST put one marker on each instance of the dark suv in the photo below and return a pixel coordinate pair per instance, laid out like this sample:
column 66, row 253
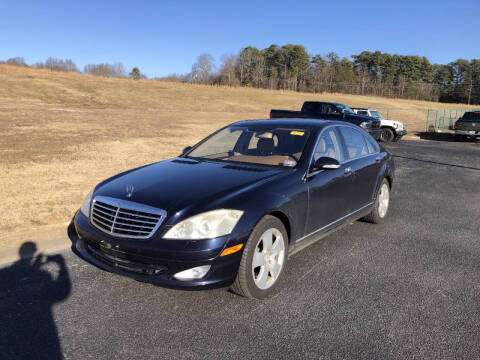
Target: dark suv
column 468, row 126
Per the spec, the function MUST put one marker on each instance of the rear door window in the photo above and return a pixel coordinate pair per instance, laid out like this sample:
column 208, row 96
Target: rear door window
column 372, row 145
column 310, row 107
column 355, row 142
column 330, row 109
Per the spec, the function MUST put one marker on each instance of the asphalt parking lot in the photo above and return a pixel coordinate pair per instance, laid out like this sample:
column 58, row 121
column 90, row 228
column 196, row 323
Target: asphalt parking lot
column 409, row 288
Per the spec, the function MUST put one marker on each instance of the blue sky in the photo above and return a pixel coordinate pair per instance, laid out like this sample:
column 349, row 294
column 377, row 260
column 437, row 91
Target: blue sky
column 162, row 37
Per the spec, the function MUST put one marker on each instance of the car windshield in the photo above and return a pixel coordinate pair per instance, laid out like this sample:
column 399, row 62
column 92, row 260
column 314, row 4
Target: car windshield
column 471, row 116
column 273, row 146
column 345, row 109
column 375, row 114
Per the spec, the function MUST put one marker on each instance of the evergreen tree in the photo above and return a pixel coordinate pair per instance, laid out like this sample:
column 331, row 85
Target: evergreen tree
column 135, row 73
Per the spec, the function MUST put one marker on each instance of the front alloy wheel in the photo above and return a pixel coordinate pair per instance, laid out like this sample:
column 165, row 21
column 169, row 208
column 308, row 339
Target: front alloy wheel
column 268, row 258
column 383, row 200
column 263, row 261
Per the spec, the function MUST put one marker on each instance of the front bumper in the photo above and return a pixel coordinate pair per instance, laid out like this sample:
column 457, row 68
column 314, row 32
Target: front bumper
column 156, row 260
column 400, row 133
column 475, row 133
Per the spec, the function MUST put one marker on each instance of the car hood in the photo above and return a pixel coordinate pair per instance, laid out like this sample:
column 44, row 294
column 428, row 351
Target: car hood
column 176, row 184
column 361, row 117
column 391, row 122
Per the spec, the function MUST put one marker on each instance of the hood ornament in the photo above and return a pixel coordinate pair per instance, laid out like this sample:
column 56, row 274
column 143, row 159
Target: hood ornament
column 129, row 189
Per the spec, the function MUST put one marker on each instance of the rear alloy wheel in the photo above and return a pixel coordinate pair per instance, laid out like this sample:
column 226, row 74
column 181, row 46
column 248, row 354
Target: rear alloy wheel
column 387, row 135
column 263, row 260
column 382, row 201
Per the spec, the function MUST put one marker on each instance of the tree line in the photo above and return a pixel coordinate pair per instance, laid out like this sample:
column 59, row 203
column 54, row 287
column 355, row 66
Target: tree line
column 290, row 67
column 67, row 65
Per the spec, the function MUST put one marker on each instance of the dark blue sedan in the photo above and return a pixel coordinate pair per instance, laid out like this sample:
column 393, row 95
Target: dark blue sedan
column 231, row 209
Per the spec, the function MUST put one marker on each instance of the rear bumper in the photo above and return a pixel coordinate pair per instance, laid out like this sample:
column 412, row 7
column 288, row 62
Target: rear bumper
column 156, row 260
column 475, row 133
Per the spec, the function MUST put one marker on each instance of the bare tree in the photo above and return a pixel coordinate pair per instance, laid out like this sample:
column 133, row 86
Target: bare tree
column 227, row 70
column 203, row 69
column 174, row 78
column 38, row 65
column 258, row 70
column 251, row 67
column 106, row 70
column 16, row 61
column 54, row 64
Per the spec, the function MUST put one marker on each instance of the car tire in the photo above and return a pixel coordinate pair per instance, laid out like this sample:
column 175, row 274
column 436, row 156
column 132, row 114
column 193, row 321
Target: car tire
column 380, row 207
column 262, row 281
column 387, row 135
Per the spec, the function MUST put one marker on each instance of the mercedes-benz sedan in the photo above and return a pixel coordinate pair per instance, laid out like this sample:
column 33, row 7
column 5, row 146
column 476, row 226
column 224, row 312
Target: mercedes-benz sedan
column 231, row 209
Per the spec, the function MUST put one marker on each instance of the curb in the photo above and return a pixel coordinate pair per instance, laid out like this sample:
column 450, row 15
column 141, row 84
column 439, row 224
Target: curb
column 48, row 240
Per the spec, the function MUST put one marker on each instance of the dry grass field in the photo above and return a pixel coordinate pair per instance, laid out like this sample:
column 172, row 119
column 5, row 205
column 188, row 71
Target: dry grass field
column 62, row 133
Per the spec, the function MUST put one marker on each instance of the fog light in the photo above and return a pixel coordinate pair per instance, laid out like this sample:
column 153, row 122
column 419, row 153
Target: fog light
column 193, row 273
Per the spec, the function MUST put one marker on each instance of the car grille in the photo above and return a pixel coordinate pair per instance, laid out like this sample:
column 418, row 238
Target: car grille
column 376, row 124
column 122, row 264
column 123, row 218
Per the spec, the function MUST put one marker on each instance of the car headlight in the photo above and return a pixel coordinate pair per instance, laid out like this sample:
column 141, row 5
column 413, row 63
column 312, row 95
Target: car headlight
column 85, row 209
column 207, row 225
column 363, row 124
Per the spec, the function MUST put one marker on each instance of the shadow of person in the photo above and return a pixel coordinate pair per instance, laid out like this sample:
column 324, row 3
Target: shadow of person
column 29, row 288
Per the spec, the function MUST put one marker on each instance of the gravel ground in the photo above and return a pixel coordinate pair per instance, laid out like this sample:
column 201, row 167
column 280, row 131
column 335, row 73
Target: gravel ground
column 408, row 288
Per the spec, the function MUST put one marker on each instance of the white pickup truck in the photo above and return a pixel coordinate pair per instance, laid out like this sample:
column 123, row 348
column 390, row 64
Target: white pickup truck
column 391, row 130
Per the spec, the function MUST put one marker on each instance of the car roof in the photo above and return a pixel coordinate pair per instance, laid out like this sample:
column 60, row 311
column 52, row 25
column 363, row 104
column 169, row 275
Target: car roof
column 324, row 102
column 291, row 122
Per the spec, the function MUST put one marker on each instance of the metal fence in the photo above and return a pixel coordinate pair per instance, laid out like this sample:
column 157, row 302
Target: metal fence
column 399, row 114
column 443, row 119
column 393, row 113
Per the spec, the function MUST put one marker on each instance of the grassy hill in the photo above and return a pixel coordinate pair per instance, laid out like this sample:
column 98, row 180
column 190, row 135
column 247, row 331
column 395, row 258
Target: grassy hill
column 62, row 133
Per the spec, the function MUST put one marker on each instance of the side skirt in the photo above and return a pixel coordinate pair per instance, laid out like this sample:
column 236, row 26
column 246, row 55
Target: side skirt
column 318, row 235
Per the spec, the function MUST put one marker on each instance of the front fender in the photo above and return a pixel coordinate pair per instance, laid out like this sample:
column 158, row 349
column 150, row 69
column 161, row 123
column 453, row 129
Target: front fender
column 387, row 170
column 292, row 208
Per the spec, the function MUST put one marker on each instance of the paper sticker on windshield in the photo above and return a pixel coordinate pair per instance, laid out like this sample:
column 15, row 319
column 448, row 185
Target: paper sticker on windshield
column 290, row 163
column 298, row 133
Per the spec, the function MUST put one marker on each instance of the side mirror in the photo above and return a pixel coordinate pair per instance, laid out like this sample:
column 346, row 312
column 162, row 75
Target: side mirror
column 326, row 163
column 186, row 149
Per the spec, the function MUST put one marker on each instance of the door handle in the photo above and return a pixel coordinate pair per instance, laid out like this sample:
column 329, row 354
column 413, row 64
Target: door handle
column 347, row 171
column 378, row 159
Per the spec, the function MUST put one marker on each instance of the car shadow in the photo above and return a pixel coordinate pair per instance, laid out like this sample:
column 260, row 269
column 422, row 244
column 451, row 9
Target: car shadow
column 436, row 136
column 436, row 162
column 29, row 289
column 448, row 137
